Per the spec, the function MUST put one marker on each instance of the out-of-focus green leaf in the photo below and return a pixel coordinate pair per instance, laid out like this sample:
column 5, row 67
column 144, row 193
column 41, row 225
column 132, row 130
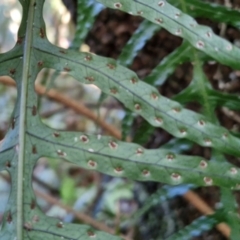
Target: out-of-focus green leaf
column 143, row 133
column 127, row 124
column 68, row 190
column 230, row 212
column 213, row 11
column 177, row 145
column 195, row 229
column 168, row 65
column 215, row 98
column 115, row 191
column 138, row 40
column 87, row 10
column 233, row 220
column 160, row 196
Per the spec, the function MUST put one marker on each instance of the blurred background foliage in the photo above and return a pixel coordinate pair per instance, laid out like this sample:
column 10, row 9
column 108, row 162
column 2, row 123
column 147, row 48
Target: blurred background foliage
column 140, row 210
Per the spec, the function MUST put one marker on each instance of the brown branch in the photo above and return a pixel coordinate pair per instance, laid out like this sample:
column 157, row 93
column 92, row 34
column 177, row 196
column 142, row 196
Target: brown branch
column 231, row 114
column 76, row 106
column 81, row 216
column 196, row 201
column 7, row 81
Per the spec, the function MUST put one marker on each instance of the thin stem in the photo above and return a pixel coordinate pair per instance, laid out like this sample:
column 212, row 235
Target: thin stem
column 68, row 102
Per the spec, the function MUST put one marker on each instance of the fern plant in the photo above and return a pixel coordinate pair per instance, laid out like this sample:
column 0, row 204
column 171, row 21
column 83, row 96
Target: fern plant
column 28, row 138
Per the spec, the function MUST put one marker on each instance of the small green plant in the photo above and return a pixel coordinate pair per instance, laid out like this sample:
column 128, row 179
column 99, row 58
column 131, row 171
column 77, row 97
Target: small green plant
column 28, row 138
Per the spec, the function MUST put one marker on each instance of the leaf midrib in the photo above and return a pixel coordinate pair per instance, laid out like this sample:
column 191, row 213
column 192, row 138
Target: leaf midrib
column 23, row 118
